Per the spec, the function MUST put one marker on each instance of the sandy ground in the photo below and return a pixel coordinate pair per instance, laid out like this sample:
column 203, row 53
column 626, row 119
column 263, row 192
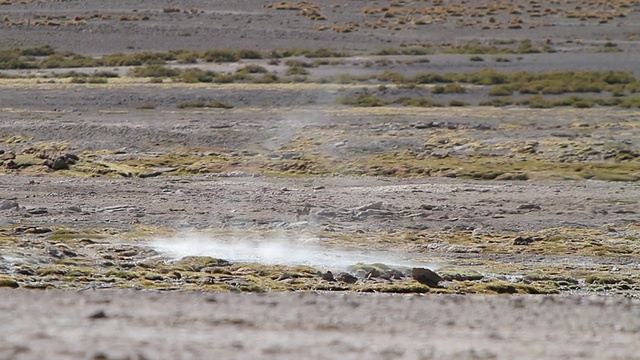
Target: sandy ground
column 148, row 325
column 158, row 179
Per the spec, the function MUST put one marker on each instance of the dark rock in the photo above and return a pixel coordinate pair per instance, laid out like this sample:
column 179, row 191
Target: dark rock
column 10, row 164
column 328, row 276
column 425, row 276
column 71, row 158
column 529, row 207
column 523, row 240
column 347, row 278
column 100, row 314
column 56, row 253
column 38, row 211
column 60, row 164
column 284, row 276
column 395, row 274
column 151, row 174
column 373, row 273
column 430, row 207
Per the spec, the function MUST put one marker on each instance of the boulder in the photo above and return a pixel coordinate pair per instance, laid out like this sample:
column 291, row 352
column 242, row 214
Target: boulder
column 328, row 276
column 347, row 278
column 60, row 163
column 425, row 276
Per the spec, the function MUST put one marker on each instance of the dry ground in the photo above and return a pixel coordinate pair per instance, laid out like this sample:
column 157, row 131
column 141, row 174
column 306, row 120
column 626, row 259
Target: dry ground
column 496, row 200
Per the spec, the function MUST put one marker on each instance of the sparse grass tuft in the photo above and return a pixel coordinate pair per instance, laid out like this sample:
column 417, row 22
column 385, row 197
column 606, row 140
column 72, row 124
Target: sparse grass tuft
column 362, row 100
column 154, row 71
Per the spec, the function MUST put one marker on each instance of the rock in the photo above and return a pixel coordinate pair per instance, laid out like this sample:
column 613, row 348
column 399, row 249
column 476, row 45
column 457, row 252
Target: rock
column 8, row 205
column 71, row 158
column 150, row 174
column 347, row 278
column 7, row 156
column 100, row 314
column 394, row 274
column 328, row 276
column 523, row 240
column 284, row 276
column 56, row 253
column 529, row 207
column 58, row 164
column 430, row 207
column 373, row 273
column 425, row 276
column 38, row 211
column 10, row 164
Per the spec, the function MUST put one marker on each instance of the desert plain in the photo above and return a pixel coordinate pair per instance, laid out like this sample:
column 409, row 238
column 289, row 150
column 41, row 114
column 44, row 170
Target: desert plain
column 361, row 179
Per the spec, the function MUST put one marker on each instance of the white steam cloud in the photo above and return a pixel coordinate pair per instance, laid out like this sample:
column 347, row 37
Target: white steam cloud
column 276, row 251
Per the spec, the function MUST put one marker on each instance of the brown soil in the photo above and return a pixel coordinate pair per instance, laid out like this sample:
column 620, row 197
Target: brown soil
column 495, row 200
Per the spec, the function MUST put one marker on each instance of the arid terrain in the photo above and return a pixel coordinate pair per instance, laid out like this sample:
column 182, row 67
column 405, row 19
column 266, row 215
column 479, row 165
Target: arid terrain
column 364, row 179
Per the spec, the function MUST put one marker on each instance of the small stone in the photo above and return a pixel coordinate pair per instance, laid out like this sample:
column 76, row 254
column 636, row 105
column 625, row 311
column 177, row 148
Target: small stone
column 328, row 276
column 529, row 207
column 284, row 276
column 71, row 158
column 10, row 164
column 150, row 174
column 38, row 211
column 100, row 314
column 523, row 240
column 425, row 276
column 347, row 278
column 392, row 274
column 373, row 273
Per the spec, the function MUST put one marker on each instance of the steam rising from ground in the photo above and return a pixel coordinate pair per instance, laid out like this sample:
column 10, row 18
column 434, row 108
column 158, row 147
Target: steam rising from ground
column 275, row 251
